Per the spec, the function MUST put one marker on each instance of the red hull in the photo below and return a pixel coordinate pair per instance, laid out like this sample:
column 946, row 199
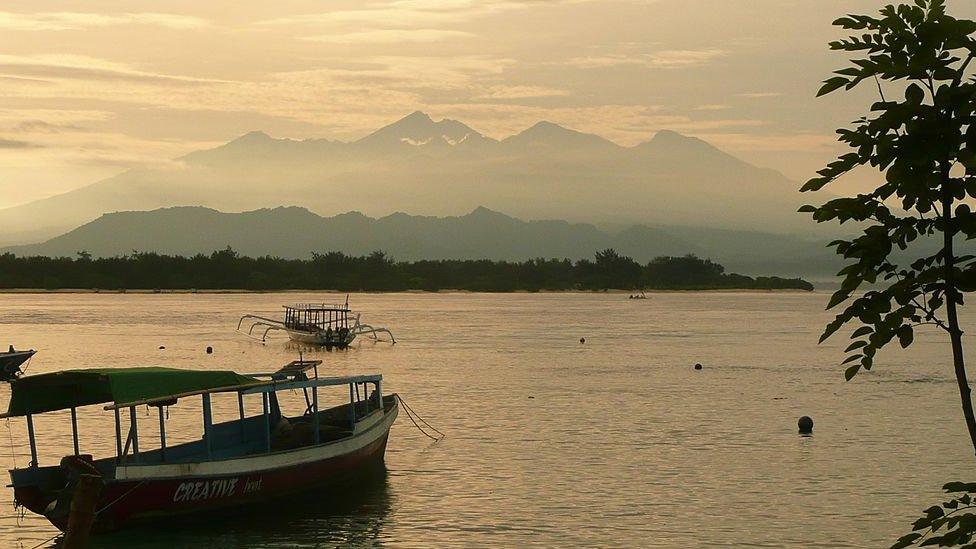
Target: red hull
column 127, row 502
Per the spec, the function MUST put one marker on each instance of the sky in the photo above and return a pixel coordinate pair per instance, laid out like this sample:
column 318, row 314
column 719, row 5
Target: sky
column 91, row 88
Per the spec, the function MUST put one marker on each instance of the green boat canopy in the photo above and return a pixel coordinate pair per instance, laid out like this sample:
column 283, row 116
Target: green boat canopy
column 75, row 388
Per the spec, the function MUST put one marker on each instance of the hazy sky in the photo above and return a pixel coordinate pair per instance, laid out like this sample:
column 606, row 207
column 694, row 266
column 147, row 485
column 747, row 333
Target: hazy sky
column 90, row 88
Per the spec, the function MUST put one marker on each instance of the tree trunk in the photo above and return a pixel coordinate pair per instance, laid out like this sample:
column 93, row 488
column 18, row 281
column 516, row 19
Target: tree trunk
column 951, row 293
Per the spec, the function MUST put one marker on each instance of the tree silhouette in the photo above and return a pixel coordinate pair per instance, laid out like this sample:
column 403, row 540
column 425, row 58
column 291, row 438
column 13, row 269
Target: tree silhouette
column 922, row 137
column 226, row 269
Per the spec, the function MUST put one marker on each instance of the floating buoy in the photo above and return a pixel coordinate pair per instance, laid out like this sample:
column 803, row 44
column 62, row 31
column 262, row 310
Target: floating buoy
column 161, row 347
column 805, row 425
column 582, row 340
column 698, row 366
column 209, row 350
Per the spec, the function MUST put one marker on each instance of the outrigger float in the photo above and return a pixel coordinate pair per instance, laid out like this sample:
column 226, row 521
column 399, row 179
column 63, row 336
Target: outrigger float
column 248, row 460
column 315, row 324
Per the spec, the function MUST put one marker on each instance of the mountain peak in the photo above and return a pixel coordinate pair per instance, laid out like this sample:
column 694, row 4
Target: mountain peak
column 417, row 116
column 546, row 127
column 256, row 136
column 671, row 142
column 482, row 211
column 419, row 129
column 552, row 134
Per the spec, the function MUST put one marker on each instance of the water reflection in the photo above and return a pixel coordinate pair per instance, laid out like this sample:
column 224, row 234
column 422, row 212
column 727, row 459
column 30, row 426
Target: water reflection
column 353, row 513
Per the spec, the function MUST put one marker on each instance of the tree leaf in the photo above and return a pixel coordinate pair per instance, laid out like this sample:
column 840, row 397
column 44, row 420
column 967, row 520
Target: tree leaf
column 905, row 336
column 832, row 84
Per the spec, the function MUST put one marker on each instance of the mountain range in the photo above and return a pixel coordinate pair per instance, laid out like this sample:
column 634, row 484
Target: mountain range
column 441, row 168
column 294, row 232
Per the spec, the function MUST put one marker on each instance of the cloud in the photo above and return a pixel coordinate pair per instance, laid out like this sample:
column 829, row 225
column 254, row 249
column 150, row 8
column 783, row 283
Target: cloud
column 41, row 126
column 760, row 95
column 16, row 144
column 748, row 142
column 390, row 36
column 79, row 67
column 712, row 107
column 404, row 13
column 61, row 21
column 521, row 92
column 664, row 59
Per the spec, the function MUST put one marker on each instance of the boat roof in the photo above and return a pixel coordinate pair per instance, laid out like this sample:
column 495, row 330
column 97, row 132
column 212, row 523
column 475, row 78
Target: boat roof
column 317, row 307
column 120, row 386
column 124, row 387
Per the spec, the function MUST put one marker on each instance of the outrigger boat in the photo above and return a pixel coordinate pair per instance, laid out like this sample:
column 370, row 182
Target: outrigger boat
column 316, row 324
column 11, row 361
column 248, row 460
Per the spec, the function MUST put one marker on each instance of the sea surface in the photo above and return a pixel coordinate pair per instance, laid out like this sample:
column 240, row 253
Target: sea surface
column 615, row 442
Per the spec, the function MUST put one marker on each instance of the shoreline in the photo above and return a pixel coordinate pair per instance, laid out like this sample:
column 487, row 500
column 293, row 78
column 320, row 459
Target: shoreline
column 27, row 291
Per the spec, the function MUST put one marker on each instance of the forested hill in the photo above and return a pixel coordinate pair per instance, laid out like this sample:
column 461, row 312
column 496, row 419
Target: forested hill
column 226, row 269
column 293, row 233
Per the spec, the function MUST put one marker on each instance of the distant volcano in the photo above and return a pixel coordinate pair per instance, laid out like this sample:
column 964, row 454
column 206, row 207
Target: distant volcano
column 442, row 168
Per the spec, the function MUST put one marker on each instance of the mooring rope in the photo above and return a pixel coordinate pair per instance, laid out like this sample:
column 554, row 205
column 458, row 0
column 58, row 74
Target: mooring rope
column 412, row 415
column 407, row 406
column 13, row 455
column 52, row 538
column 419, row 428
column 116, row 500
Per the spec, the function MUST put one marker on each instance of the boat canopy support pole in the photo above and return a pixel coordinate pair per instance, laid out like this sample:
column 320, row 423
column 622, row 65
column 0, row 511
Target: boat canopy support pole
column 315, row 413
column 133, row 434
column 33, row 443
column 207, row 424
column 74, row 429
column 352, row 406
column 267, row 421
column 162, row 435
column 315, row 405
column 240, row 408
column 118, row 436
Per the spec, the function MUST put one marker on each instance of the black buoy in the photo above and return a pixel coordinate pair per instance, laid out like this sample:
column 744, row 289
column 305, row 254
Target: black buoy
column 698, row 366
column 161, row 347
column 209, row 350
column 805, row 425
column 582, row 340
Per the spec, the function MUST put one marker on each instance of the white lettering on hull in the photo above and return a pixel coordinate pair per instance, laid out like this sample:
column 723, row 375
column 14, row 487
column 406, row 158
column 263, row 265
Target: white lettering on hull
column 204, row 490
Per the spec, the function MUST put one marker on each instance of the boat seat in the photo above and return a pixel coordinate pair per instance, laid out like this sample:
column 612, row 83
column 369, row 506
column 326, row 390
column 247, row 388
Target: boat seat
column 302, row 433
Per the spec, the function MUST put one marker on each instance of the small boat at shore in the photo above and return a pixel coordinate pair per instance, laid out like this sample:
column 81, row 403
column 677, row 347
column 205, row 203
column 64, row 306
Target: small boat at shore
column 331, row 326
column 11, row 361
column 252, row 459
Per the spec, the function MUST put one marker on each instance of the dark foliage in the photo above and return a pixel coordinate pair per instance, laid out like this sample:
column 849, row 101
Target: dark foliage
column 921, row 136
column 226, row 269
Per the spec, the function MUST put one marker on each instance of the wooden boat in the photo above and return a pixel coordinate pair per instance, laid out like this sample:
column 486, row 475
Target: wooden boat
column 11, row 361
column 316, row 324
column 248, row 460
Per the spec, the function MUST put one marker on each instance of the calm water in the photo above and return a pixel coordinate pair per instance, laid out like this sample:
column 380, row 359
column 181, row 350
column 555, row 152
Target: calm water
column 618, row 442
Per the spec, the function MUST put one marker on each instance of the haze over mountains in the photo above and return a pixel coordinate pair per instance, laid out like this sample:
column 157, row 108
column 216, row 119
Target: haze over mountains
column 296, row 232
column 445, row 168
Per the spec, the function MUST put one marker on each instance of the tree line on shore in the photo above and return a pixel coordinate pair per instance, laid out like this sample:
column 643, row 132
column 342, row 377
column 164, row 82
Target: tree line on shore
column 226, row 269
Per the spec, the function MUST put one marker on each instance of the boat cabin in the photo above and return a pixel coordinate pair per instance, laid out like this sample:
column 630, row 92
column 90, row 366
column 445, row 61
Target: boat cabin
column 312, row 317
